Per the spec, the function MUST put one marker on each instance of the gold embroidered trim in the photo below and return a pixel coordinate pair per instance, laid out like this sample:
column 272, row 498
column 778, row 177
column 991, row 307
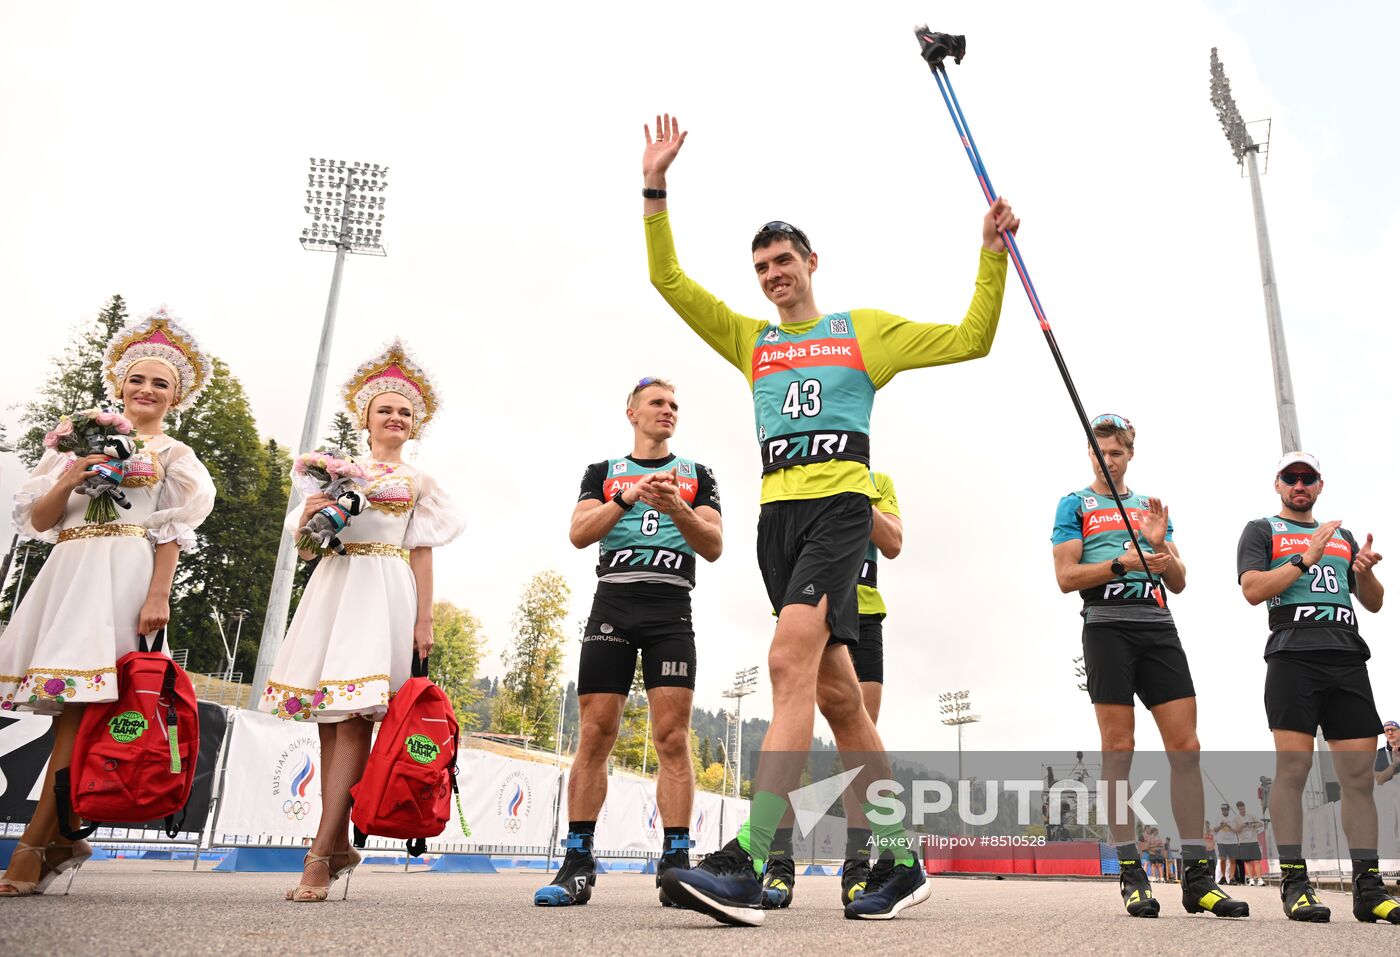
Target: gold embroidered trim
column 61, row 672
column 139, row 481
column 381, row 549
column 106, row 530
column 275, row 686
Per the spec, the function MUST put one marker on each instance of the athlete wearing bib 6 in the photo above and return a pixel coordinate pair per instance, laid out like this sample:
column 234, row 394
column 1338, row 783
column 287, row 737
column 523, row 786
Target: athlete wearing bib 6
column 1131, row 648
column 813, row 376
column 651, row 514
column 1305, row 573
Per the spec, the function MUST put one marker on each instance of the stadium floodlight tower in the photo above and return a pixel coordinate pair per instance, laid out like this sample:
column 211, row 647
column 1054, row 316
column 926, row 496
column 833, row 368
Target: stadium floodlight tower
column 1247, row 152
column 957, row 706
column 745, row 683
column 346, row 204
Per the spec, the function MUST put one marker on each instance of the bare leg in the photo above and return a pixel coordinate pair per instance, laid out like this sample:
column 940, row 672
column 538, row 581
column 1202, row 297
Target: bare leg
column 1294, row 761
column 1176, row 720
column 43, row 826
column 1353, row 759
column 1117, row 744
column 599, row 719
column 670, row 731
column 352, row 740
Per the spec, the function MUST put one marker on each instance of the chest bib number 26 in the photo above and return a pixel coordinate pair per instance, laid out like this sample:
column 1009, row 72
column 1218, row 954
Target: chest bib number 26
column 811, row 395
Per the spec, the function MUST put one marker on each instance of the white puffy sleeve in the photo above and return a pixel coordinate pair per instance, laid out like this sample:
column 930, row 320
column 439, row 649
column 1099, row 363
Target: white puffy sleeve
column 39, row 483
column 435, row 520
column 186, row 499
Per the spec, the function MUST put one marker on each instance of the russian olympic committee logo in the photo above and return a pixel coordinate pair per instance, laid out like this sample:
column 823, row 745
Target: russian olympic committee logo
column 514, row 799
column 292, row 779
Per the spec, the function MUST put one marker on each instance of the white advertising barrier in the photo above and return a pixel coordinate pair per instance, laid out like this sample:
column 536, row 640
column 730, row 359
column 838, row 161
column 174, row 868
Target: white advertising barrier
column 736, row 812
column 705, row 823
column 505, row 801
column 272, row 782
column 629, row 820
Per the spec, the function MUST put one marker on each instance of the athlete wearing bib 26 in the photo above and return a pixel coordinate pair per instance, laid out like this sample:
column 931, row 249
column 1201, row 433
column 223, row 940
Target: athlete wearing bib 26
column 651, row 514
column 813, row 376
column 1131, row 649
column 1306, row 574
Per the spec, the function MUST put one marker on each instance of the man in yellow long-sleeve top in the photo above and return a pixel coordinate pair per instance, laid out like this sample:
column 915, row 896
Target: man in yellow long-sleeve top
column 813, row 376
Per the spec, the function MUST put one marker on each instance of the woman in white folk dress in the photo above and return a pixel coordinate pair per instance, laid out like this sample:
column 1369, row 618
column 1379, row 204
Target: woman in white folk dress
column 363, row 614
column 104, row 583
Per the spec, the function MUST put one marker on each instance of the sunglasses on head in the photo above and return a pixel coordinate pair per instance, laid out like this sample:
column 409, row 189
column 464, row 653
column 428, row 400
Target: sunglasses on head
column 1108, row 418
column 778, row 226
column 645, row 381
column 1293, row 478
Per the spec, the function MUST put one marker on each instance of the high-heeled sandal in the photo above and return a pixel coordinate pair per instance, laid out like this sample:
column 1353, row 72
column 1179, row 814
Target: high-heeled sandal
column 81, row 854
column 25, row 888
column 353, row 859
column 307, row 893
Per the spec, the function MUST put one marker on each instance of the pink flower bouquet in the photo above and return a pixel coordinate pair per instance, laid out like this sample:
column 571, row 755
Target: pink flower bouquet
column 98, row 430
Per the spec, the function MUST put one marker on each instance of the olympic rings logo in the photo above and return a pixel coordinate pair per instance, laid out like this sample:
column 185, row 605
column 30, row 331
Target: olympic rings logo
column 296, row 810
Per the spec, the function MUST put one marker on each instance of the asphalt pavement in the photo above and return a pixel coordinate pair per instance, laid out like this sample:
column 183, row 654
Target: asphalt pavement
column 162, row 907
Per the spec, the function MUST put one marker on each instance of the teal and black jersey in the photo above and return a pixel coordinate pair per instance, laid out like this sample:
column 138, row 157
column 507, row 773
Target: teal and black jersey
column 1314, row 613
column 1094, row 519
column 811, row 394
column 645, row 545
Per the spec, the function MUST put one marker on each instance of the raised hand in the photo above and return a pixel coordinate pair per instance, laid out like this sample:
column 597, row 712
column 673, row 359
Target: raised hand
column 999, row 217
column 661, row 152
column 1154, row 524
column 663, row 493
column 1367, row 558
column 1320, row 538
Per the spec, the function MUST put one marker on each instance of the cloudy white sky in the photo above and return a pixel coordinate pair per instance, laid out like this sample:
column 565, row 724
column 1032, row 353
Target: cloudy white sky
column 158, row 151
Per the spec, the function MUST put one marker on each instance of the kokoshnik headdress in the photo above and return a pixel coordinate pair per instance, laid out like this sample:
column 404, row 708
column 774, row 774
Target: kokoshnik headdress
column 159, row 337
column 393, row 370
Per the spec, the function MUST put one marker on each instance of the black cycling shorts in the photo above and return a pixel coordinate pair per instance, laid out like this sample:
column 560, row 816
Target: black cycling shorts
column 1123, row 659
column 647, row 617
column 808, row 548
column 869, row 653
column 1307, row 690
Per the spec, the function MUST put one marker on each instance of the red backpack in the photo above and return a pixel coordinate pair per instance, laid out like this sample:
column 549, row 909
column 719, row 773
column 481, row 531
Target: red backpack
column 412, row 769
column 134, row 758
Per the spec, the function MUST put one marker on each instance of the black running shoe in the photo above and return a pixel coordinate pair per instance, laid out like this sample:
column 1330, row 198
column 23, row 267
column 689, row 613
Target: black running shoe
column 779, row 881
column 889, row 890
column 1137, row 891
column 1299, row 899
column 572, row 885
column 724, row 886
column 1200, row 894
column 1370, row 902
column 855, row 872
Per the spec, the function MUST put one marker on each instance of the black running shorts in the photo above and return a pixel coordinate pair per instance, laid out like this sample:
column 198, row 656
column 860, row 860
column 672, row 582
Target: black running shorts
column 647, row 617
column 869, row 654
column 1306, row 690
column 1123, row 659
column 808, row 548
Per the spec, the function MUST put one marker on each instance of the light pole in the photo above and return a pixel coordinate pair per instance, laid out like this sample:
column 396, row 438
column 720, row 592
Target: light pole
column 745, row 683
column 957, row 705
column 346, row 205
column 724, row 747
column 1246, row 152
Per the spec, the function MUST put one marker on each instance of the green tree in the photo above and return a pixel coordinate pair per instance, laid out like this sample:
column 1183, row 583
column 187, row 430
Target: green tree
column 74, row 383
column 528, row 701
column 457, row 648
column 237, row 545
column 707, row 752
column 344, row 435
column 631, row 737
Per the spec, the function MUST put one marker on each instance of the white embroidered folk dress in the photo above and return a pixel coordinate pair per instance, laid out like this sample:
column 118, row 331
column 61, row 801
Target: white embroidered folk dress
column 350, row 645
column 79, row 615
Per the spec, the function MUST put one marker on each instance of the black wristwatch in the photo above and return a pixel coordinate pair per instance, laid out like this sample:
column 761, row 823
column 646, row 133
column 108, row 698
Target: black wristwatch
column 620, row 502
column 1118, row 568
column 1297, row 562
column 649, row 193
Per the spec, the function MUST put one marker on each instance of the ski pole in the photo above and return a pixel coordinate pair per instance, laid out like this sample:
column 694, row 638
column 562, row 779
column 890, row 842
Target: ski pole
column 934, row 48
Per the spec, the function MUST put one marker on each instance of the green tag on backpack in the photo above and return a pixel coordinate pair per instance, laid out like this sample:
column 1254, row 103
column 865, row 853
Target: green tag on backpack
column 174, row 749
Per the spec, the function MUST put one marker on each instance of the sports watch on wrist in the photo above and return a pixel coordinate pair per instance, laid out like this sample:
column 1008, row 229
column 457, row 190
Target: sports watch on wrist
column 1297, row 561
column 620, row 502
column 1118, row 568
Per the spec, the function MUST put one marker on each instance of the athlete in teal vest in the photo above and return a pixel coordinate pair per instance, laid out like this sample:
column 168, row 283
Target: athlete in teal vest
column 813, row 377
column 1306, row 574
column 1131, row 649
column 651, row 514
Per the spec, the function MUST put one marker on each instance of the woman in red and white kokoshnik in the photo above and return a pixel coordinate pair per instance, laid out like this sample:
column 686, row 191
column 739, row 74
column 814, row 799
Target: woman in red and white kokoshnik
column 104, row 583
column 363, row 614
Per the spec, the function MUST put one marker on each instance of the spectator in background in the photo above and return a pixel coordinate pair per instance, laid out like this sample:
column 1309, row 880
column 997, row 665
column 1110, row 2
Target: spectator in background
column 1226, row 843
column 1249, row 851
column 1237, row 825
column 1388, row 754
column 1169, row 856
column 1210, row 841
column 1387, row 769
